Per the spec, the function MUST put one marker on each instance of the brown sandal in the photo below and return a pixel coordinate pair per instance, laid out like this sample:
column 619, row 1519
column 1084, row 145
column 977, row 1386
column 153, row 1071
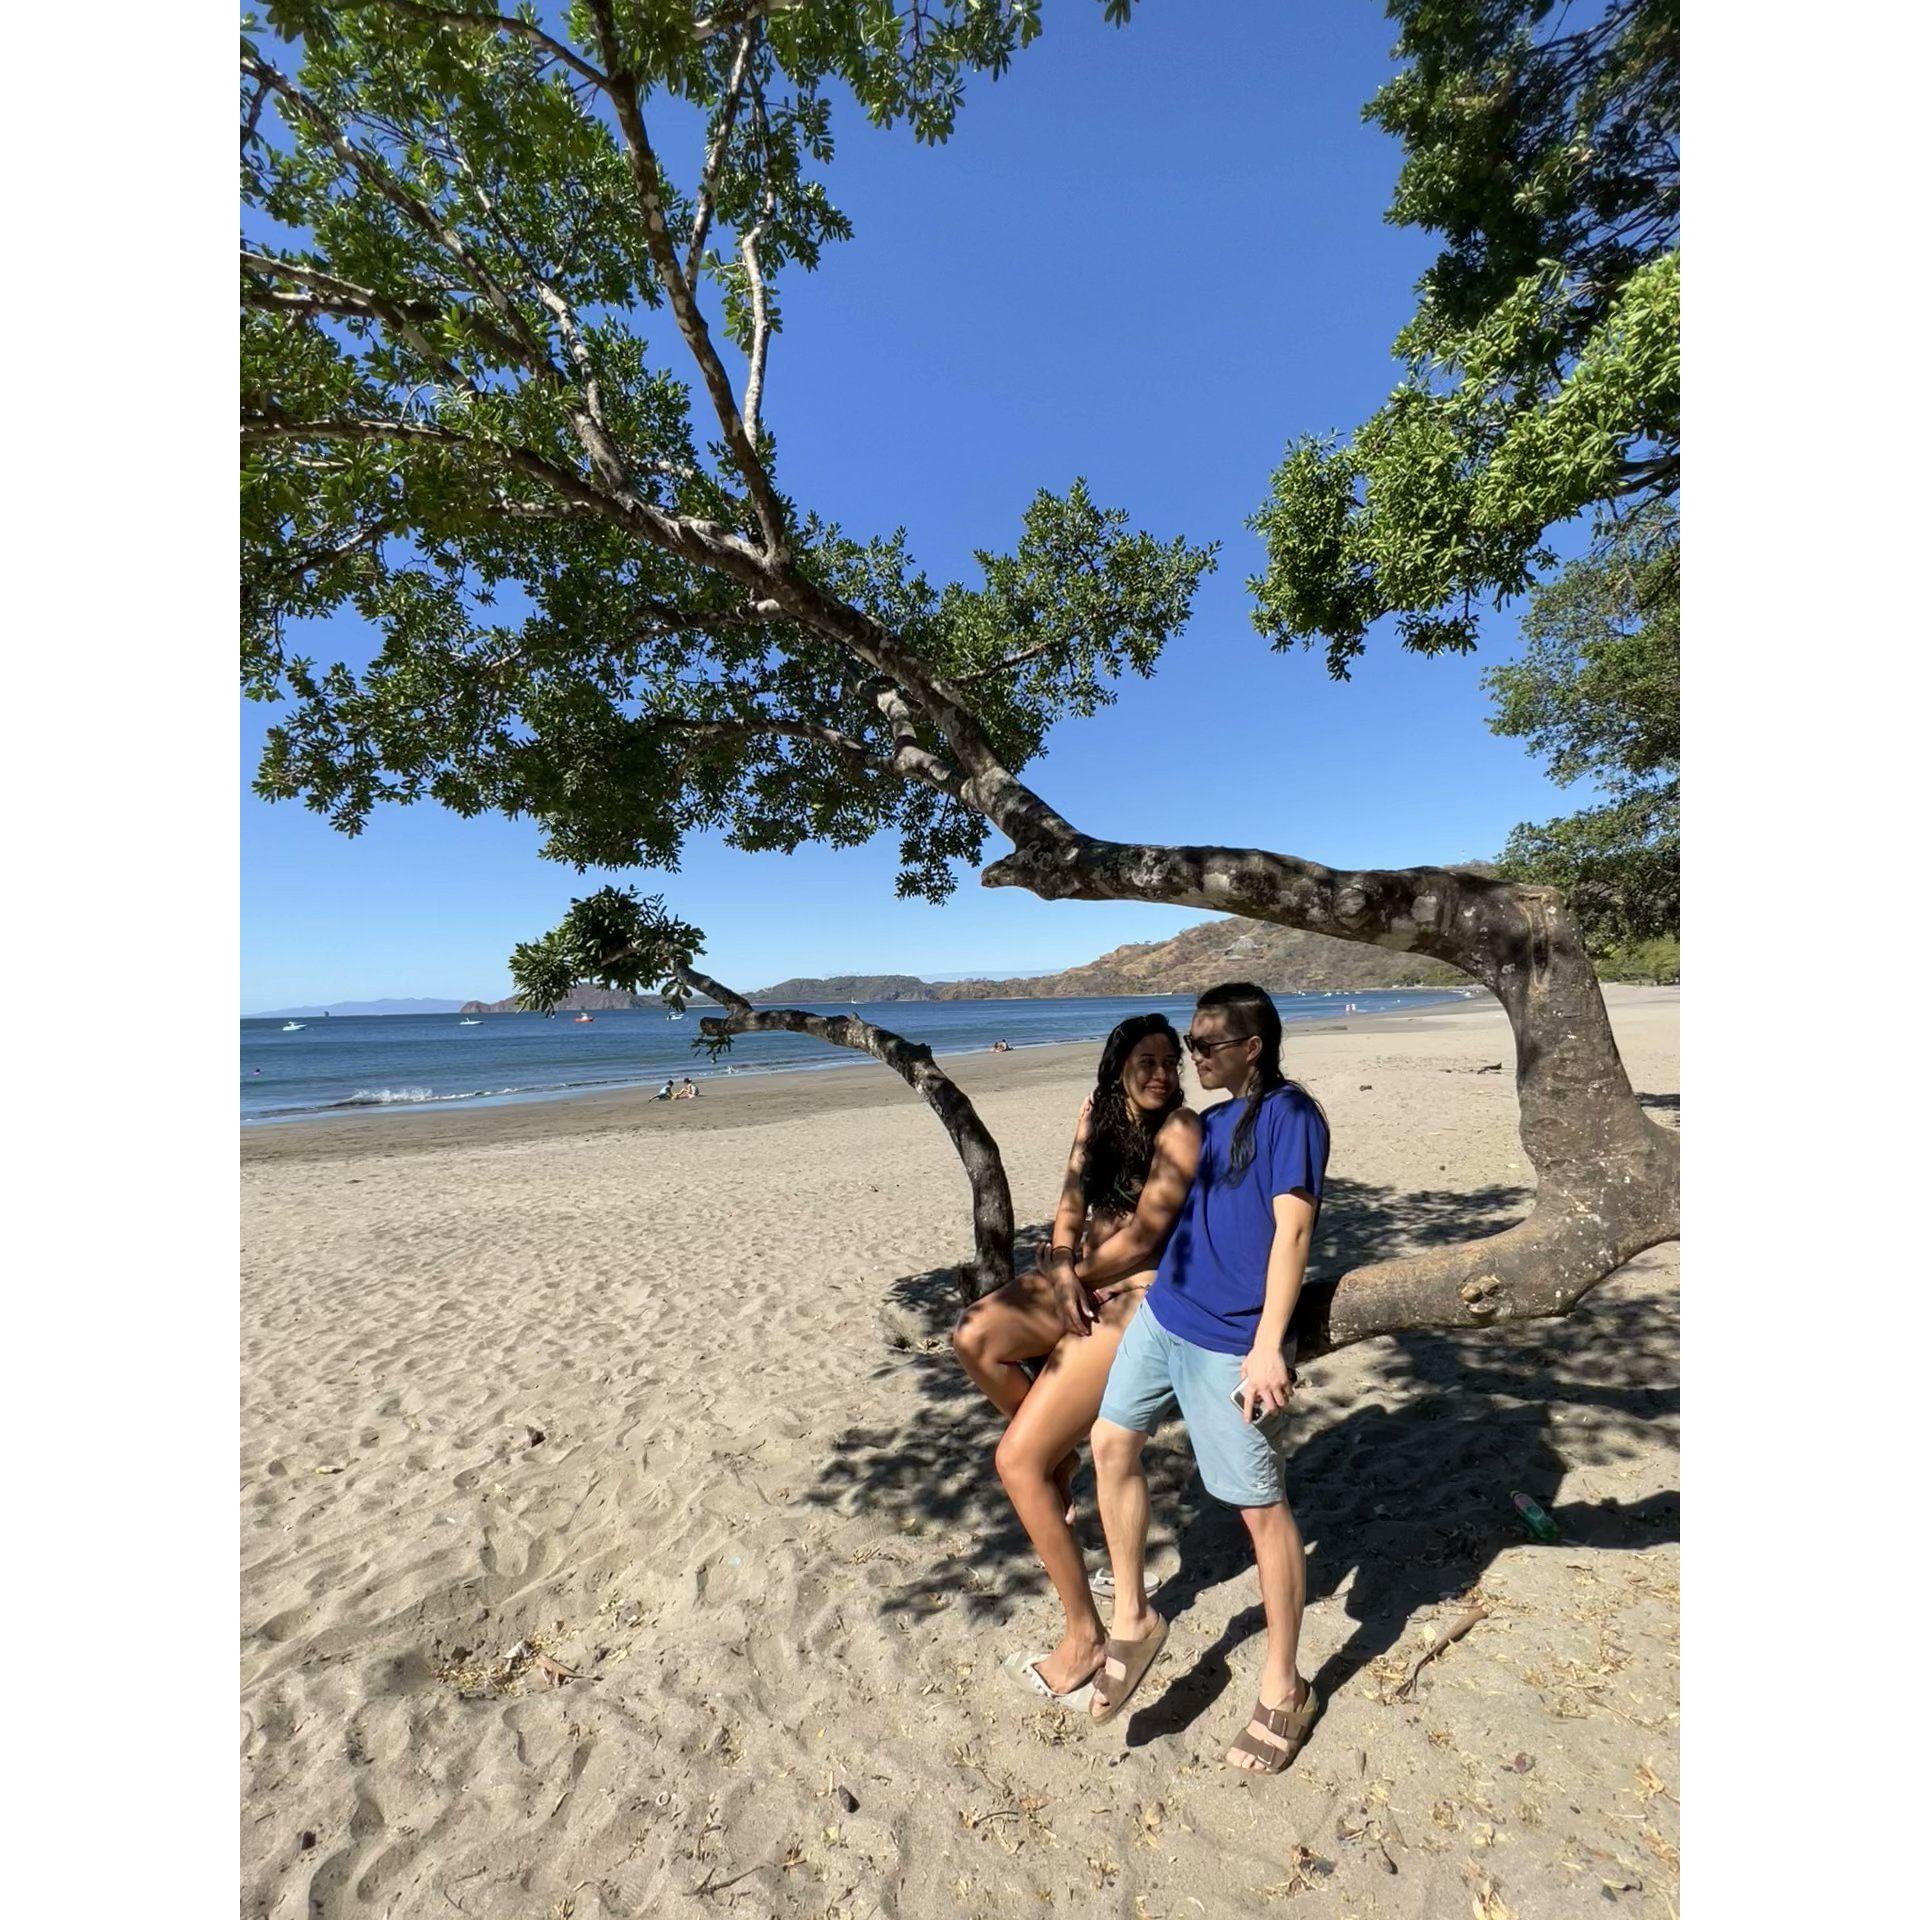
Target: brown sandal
column 1292, row 1724
column 1124, row 1668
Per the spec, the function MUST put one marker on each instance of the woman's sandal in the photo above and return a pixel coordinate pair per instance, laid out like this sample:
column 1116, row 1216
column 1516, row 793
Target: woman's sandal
column 1030, row 1670
column 1125, row 1667
column 1291, row 1724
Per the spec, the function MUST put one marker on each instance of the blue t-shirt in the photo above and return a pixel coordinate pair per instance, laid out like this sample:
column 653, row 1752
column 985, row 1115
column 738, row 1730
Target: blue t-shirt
column 1212, row 1282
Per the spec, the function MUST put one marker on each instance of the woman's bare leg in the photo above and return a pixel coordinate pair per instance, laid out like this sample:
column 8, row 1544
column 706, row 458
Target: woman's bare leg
column 1056, row 1413
column 1013, row 1323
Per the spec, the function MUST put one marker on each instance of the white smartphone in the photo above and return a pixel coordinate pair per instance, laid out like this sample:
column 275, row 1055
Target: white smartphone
column 1239, row 1398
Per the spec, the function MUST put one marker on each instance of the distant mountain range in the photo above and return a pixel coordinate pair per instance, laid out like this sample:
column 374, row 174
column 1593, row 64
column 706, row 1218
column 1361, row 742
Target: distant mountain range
column 359, row 1006
column 1276, row 958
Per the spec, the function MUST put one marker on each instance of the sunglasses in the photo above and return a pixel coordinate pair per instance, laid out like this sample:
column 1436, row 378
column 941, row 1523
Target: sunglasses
column 1206, row 1049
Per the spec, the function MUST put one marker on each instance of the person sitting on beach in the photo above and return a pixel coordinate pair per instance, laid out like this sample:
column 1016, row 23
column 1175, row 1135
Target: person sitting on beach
column 686, row 1090
column 1215, row 1326
column 1133, row 1157
column 666, row 1090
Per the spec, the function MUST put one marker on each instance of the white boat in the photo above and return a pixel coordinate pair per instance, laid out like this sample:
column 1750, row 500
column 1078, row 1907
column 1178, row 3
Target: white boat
column 583, row 1019
column 294, row 1026
column 676, row 1016
column 469, row 1023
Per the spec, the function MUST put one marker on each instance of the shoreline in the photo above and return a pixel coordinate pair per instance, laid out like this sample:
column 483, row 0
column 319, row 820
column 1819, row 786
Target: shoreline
column 766, row 1098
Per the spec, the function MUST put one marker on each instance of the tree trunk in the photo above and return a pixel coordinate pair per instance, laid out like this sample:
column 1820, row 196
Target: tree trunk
column 1608, row 1178
column 992, row 1264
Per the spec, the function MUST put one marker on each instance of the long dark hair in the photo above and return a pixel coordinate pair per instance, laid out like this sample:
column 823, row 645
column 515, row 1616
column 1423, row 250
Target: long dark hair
column 1119, row 1146
column 1248, row 1010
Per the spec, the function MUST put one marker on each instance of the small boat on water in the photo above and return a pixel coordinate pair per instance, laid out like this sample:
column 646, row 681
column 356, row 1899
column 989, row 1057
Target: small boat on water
column 583, row 1019
column 294, row 1026
column 469, row 1023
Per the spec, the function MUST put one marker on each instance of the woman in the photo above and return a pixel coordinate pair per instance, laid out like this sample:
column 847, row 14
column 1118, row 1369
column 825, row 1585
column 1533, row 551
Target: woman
column 1133, row 1158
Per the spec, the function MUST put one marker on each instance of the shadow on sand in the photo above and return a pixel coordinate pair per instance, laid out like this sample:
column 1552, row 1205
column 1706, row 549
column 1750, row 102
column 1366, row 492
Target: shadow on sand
column 1401, row 1491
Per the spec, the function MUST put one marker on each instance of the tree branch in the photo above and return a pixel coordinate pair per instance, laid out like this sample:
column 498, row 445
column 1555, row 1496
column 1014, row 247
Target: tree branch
column 979, row 1155
column 648, row 183
column 496, row 23
column 343, row 299
column 716, row 153
column 372, row 172
column 1012, row 660
column 703, row 543
column 724, row 19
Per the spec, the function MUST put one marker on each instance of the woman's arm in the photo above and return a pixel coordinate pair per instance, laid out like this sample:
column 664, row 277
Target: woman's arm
column 1176, row 1159
column 1070, row 1216
column 1069, row 1220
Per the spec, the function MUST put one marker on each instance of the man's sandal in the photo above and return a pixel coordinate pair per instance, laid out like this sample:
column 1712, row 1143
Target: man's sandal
column 1125, row 1667
column 1291, row 1725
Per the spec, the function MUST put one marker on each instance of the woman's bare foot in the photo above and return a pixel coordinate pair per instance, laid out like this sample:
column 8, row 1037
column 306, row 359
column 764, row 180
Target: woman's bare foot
column 1075, row 1659
column 1062, row 1478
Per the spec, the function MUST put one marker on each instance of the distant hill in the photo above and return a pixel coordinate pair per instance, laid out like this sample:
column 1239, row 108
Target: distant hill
column 1277, row 958
column 853, row 986
column 360, row 1006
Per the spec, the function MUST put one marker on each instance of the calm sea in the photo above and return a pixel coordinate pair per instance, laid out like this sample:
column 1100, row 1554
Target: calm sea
column 410, row 1062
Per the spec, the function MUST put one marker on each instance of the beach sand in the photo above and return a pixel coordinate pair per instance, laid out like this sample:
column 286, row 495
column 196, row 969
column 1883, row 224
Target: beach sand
column 642, row 1390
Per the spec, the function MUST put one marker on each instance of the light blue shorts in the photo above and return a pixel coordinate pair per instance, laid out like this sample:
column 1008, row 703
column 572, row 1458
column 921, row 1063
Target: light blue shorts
column 1240, row 1463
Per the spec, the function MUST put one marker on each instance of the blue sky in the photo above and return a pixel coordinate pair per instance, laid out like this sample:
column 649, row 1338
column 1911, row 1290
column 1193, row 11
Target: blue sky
column 1150, row 256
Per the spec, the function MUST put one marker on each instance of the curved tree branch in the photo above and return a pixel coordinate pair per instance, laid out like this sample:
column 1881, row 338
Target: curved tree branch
column 979, row 1155
column 1608, row 1178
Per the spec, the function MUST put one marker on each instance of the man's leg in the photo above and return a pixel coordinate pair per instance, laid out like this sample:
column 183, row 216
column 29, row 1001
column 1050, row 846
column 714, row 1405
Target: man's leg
column 1117, row 1453
column 1241, row 1465
column 1283, row 1591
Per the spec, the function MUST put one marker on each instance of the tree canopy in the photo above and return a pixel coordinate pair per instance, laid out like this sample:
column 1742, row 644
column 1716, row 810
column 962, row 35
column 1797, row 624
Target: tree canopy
column 1542, row 359
column 1598, row 693
column 459, row 419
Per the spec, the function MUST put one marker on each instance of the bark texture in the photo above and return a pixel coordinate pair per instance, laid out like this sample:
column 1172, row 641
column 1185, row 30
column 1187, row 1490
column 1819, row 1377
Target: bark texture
column 992, row 1264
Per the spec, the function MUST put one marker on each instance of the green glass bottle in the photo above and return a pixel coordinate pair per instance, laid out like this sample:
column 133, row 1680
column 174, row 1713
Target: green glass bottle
column 1538, row 1522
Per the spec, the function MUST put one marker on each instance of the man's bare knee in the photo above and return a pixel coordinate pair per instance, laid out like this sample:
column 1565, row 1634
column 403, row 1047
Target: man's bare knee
column 1116, row 1449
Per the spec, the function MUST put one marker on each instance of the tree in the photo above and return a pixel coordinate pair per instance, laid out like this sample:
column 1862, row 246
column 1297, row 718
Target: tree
column 1598, row 692
column 463, row 243
column 1543, row 356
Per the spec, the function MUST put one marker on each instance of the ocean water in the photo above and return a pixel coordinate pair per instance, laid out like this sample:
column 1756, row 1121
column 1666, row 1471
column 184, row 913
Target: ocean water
column 417, row 1062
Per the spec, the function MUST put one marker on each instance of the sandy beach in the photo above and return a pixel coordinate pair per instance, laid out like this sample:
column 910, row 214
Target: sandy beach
column 619, row 1538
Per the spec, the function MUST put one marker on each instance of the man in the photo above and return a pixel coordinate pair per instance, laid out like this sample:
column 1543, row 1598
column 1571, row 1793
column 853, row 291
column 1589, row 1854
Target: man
column 1214, row 1324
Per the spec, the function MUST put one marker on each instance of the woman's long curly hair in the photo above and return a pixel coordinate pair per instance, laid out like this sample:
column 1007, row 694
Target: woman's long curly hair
column 1119, row 1146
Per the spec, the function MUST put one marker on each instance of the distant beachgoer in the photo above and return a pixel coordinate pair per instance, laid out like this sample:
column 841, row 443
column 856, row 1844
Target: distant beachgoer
column 1133, row 1156
column 686, row 1091
column 1000, row 1046
column 1212, row 1339
column 666, row 1090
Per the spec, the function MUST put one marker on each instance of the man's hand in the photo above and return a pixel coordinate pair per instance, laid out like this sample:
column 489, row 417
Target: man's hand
column 1268, row 1383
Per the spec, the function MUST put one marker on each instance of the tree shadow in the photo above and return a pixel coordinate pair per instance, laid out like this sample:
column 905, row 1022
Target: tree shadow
column 1402, row 1488
column 1401, row 1485
column 1403, row 1494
